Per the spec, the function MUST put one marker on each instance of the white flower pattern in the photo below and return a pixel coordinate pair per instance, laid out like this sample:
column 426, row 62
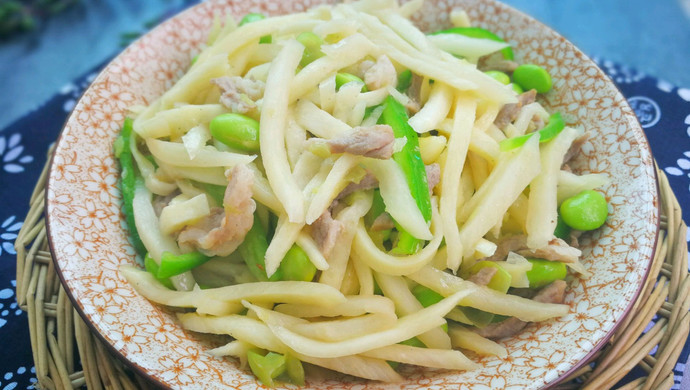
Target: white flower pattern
column 11, row 154
column 8, row 234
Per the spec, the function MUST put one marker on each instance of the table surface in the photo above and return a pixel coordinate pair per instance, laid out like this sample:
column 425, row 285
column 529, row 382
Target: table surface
column 651, row 37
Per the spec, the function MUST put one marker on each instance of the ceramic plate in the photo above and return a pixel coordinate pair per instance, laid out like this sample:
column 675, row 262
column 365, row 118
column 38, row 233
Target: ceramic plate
column 89, row 243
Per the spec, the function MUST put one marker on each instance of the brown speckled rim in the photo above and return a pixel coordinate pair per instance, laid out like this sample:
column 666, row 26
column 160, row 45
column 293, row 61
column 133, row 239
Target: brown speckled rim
column 633, row 122
column 155, row 382
column 143, row 373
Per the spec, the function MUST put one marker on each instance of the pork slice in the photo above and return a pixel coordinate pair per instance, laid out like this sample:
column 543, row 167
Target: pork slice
column 159, row 202
column 325, row 231
column 506, row 328
column 574, row 238
column 510, row 111
column 381, row 74
column 363, row 67
column 382, row 222
column 495, row 61
column 555, row 250
column 239, row 94
column 552, row 293
column 414, row 94
column 368, row 141
column 506, row 245
column 368, row 182
column 484, row 276
column 221, row 232
column 574, row 149
column 433, row 176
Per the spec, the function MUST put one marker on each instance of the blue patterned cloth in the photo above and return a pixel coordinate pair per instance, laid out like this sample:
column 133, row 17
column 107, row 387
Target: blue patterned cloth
column 663, row 110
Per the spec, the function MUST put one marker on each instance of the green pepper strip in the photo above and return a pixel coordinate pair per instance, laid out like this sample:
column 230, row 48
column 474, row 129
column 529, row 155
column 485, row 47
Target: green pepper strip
column 294, row 369
column 544, row 272
column 172, row 265
column 377, row 208
column 404, row 80
column 410, row 160
column 478, row 32
column 344, row 78
column 127, row 182
column 255, row 17
column 152, row 267
column 216, row 192
column 427, row 297
column 266, row 368
column 551, row 130
column 253, row 251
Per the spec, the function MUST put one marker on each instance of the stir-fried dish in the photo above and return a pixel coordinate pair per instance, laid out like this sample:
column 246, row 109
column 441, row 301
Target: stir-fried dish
column 338, row 188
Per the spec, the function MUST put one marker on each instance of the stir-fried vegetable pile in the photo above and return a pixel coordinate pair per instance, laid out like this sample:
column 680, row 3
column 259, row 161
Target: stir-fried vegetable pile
column 338, row 188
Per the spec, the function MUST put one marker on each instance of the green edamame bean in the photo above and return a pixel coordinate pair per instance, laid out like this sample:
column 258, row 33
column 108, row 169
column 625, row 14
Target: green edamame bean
column 530, row 76
column 585, row 211
column 237, row 131
column 344, row 78
column 312, row 47
column 296, row 265
column 498, row 76
column 544, row 272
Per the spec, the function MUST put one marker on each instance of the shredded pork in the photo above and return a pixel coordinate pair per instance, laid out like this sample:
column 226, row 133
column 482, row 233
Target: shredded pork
column 553, row 293
column 159, row 202
column 221, row 232
column 368, row 141
column 574, row 149
column 382, row 222
column 381, row 74
column 325, row 231
column 495, row 61
column 510, row 111
column 555, row 250
column 239, row 94
column 368, row 182
column 484, row 276
column 433, row 176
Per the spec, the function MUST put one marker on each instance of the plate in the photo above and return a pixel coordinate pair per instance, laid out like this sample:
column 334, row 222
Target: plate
column 89, row 242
